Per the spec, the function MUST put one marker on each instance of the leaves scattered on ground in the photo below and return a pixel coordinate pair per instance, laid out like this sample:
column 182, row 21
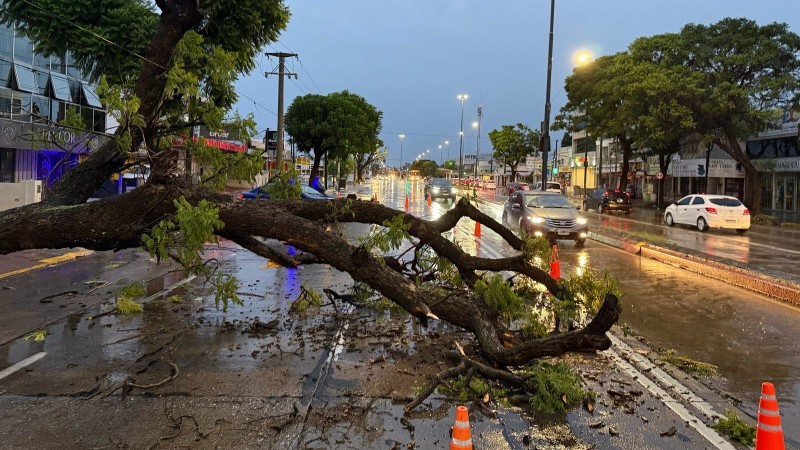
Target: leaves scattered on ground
column 689, row 365
column 736, row 429
column 126, row 305
column 557, row 387
column 37, row 335
column 132, row 290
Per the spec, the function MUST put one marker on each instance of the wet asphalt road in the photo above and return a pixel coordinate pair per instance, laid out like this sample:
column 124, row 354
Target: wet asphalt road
column 749, row 337
column 250, row 391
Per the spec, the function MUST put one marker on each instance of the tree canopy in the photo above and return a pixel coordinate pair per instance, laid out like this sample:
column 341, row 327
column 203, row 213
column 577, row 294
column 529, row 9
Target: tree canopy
column 724, row 82
column 334, row 125
column 512, row 144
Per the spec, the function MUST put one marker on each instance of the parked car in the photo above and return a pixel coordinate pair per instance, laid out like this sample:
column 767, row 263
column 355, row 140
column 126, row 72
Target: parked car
column 709, row 211
column 306, row 192
column 552, row 186
column 440, row 188
column 514, row 187
column 608, row 200
column 545, row 214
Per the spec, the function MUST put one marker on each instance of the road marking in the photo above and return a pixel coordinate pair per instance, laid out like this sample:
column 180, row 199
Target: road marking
column 69, row 256
column 712, row 436
column 168, row 289
column 22, row 364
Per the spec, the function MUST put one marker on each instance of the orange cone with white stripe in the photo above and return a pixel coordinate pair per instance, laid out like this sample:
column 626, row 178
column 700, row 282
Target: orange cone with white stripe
column 477, row 229
column 461, row 434
column 430, row 200
column 555, row 264
column 406, row 202
column 769, row 434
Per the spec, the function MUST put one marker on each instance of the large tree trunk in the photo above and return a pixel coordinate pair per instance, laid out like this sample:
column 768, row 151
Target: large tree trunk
column 79, row 183
column 315, row 167
column 119, row 221
column 627, row 150
column 753, row 178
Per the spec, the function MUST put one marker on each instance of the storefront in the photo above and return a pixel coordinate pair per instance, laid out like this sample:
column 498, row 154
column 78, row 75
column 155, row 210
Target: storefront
column 776, row 154
column 691, row 176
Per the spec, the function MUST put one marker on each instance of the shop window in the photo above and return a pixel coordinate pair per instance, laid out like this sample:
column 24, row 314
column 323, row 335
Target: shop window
column 41, row 62
column 21, row 107
column 5, row 72
column 5, row 103
column 40, row 108
column 99, row 121
column 7, row 163
column 26, row 81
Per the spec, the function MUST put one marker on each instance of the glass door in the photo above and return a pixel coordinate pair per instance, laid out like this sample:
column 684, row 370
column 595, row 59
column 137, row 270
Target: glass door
column 785, row 192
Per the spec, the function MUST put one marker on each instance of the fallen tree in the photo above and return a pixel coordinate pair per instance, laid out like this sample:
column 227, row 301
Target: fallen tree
column 516, row 311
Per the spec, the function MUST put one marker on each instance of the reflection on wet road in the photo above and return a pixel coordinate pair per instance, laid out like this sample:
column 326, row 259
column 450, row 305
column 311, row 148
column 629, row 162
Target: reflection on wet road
column 748, row 336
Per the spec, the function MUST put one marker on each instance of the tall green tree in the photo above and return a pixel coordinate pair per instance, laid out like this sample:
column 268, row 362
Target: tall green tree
column 751, row 73
column 597, row 103
column 334, row 125
column 174, row 61
column 426, row 167
column 512, row 144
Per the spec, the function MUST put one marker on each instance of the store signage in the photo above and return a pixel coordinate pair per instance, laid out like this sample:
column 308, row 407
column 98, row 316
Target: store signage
column 718, row 168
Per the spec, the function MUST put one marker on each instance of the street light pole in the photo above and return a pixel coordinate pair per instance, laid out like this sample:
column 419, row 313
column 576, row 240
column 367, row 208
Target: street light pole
column 447, row 145
column 478, row 146
column 461, row 97
column 401, row 136
column 546, row 124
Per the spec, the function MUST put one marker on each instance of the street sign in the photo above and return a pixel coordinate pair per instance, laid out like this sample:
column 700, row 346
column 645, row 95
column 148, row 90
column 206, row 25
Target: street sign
column 660, row 176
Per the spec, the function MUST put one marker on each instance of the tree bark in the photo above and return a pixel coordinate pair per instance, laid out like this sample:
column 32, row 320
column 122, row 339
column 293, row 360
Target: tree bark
column 78, row 184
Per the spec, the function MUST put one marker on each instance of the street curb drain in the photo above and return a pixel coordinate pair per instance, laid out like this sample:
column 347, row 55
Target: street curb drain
column 778, row 289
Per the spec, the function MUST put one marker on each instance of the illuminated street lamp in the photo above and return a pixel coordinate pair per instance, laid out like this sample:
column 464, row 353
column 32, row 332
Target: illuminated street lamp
column 401, row 136
column 461, row 97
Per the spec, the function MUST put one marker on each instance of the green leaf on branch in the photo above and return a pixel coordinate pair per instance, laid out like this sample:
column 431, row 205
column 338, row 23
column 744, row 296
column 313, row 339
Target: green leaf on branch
column 556, row 388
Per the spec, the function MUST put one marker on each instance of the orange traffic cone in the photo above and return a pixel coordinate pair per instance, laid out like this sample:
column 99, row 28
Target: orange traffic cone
column 769, row 434
column 375, row 198
column 477, row 229
column 406, row 202
column 460, row 433
column 430, row 200
column 555, row 264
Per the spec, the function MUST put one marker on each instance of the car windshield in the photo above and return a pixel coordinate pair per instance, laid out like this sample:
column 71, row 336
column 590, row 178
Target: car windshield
column 441, row 182
column 725, row 201
column 548, row 201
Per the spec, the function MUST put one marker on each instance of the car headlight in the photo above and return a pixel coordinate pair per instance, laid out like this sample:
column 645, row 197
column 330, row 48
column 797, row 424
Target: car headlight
column 435, row 189
column 535, row 219
column 582, row 221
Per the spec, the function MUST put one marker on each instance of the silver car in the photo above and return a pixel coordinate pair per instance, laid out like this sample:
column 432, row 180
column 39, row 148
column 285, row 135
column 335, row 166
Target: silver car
column 545, row 214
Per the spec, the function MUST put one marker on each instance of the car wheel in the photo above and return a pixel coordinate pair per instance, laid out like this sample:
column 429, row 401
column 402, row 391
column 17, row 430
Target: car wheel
column 742, row 230
column 580, row 242
column 505, row 220
column 599, row 208
column 669, row 220
column 584, row 207
column 702, row 225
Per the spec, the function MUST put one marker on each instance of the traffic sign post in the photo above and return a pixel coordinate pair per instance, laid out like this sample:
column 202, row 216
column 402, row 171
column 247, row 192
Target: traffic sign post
column 660, row 176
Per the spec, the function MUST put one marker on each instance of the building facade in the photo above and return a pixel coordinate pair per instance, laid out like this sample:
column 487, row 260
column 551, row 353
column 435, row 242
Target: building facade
column 35, row 93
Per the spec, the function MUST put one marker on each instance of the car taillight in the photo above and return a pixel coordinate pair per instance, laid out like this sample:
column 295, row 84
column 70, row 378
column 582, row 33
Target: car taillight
column 241, row 195
column 711, row 210
column 746, row 212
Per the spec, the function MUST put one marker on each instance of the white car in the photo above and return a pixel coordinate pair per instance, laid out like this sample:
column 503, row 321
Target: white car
column 709, row 211
column 552, row 186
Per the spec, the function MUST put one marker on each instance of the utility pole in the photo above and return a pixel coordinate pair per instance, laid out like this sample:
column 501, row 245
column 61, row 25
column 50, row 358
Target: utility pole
column 546, row 122
column 281, row 73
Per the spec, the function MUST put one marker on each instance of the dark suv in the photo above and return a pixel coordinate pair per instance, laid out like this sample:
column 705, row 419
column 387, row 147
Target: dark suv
column 608, row 200
column 440, row 188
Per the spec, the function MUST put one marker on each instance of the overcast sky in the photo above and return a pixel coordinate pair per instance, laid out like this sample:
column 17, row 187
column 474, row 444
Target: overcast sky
column 412, row 58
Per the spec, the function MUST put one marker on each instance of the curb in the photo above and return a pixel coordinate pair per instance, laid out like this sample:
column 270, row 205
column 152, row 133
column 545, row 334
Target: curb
column 776, row 288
